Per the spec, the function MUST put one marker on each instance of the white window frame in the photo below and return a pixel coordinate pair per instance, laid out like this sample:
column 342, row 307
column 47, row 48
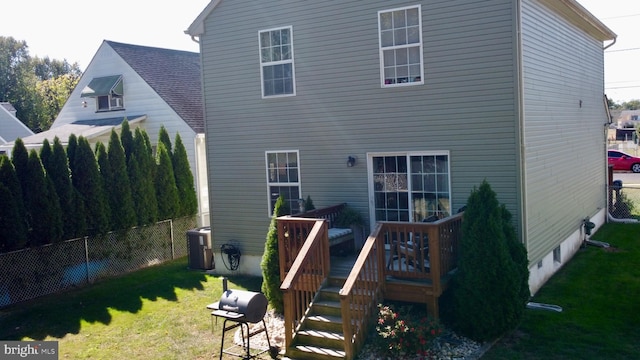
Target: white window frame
column 398, row 49
column 115, row 103
column 409, row 180
column 270, row 63
column 270, row 168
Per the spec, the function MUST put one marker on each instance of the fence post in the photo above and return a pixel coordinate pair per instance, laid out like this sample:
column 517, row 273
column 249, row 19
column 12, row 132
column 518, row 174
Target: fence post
column 173, row 253
column 86, row 259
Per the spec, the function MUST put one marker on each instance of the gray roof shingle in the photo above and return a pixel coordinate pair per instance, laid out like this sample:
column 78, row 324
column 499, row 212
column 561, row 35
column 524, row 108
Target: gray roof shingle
column 173, row 74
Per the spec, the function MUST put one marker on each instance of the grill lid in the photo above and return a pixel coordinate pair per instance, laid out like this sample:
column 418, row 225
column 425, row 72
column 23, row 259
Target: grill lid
column 252, row 305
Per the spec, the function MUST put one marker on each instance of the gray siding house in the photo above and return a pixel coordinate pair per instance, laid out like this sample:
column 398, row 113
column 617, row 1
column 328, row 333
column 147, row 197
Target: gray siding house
column 426, row 98
column 11, row 127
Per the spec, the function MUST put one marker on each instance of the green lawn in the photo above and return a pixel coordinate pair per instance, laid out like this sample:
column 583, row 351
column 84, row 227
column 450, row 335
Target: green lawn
column 155, row 313
column 599, row 292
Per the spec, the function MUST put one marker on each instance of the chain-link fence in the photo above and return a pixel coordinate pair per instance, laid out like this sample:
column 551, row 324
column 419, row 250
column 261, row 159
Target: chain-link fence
column 34, row 272
column 624, row 201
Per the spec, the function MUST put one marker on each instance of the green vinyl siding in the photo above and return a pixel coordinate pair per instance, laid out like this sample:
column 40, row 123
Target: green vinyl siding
column 466, row 106
column 563, row 133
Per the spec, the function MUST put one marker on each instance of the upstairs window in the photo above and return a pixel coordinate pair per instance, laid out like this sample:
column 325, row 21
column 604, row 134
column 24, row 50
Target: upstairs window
column 108, row 92
column 276, row 62
column 400, row 39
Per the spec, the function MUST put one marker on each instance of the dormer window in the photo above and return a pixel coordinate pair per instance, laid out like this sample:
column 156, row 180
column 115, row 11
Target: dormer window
column 107, row 91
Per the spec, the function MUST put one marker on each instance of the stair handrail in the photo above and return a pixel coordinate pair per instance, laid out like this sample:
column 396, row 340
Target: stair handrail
column 361, row 293
column 305, row 278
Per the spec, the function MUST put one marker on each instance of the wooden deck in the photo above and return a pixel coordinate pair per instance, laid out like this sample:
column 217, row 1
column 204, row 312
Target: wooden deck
column 399, row 261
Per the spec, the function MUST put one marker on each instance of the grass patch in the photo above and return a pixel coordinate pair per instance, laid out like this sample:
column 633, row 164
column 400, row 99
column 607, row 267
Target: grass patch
column 599, row 292
column 155, row 313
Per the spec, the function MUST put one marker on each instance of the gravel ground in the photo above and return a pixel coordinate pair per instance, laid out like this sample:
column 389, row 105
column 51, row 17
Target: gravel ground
column 446, row 347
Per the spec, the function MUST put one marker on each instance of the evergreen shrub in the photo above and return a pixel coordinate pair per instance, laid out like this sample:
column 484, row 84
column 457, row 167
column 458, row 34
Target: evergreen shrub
column 490, row 288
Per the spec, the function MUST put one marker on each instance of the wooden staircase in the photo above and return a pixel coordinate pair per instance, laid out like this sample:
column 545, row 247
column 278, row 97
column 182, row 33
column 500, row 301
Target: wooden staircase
column 320, row 337
column 328, row 316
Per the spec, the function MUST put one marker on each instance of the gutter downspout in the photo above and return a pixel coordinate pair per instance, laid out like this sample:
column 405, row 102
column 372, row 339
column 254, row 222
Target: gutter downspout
column 520, row 135
column 615, row 39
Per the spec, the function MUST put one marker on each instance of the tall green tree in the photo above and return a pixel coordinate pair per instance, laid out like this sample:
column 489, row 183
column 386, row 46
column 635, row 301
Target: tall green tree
column 51, row 95
column 47, row 69
column 43, row 206
column 87, row 180
column 17, row 77
column 163, row 137
column 166, row 190
column 20, row 158
column 57, row 167
column 11, row 234
column 184, row 180
column 489, row 291
column 126, row 138
column 15, row 227
column 36, row 87
column 141, row 169
column 14, row 62
column 45, row 153
column 72, row 145
column 270, row 263
column 119, row 187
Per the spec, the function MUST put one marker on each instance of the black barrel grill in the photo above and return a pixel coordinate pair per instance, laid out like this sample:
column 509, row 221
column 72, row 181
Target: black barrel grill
column 241, row 308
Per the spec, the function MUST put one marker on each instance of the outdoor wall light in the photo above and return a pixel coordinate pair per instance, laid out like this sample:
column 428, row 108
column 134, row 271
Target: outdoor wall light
column 351, row 161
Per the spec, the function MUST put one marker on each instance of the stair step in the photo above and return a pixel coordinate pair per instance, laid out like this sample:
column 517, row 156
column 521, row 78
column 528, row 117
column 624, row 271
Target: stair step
column 326, row 307
column 328, row 339
column 305, row 352
column 323, row 322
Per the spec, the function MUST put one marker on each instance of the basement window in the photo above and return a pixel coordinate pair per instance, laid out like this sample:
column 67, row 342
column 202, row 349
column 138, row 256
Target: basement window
column 557, row 256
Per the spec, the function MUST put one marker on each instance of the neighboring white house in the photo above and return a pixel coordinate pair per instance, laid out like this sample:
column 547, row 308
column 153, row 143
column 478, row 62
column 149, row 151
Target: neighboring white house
column 11, row 127
column 150, row 87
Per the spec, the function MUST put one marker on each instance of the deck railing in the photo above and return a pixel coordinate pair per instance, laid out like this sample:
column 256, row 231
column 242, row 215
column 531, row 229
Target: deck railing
column 422, row 251
column 361, row 293
column 308, row 271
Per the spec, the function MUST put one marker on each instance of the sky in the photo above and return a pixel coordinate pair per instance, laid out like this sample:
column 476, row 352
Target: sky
column 74, row 29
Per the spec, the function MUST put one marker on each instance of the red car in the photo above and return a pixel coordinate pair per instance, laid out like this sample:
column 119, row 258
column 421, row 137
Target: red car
column 623, row 161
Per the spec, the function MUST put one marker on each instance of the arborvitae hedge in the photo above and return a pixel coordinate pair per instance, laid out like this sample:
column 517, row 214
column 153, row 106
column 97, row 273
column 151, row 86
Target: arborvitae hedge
column 72, row 145
column 45, row 153
column 13, row 230
column 43, row 206
column 120, row 199
column 142, row 181
column 184, row 180
column 11, row 234
column 489, row 294
column 163, row 137
column 75, row 179
column 270, row 264
column 126, row 139
column 166, row 190
column 20, row 157
column 57, row 168
column 86, row 178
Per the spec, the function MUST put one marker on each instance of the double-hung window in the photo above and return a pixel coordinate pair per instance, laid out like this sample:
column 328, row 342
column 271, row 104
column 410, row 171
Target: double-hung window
column 400, row 39
column 276, row 62
column 283, row 178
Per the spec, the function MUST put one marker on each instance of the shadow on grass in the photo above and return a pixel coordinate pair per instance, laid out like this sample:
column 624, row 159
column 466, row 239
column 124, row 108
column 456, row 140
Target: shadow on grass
column 60, row 314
